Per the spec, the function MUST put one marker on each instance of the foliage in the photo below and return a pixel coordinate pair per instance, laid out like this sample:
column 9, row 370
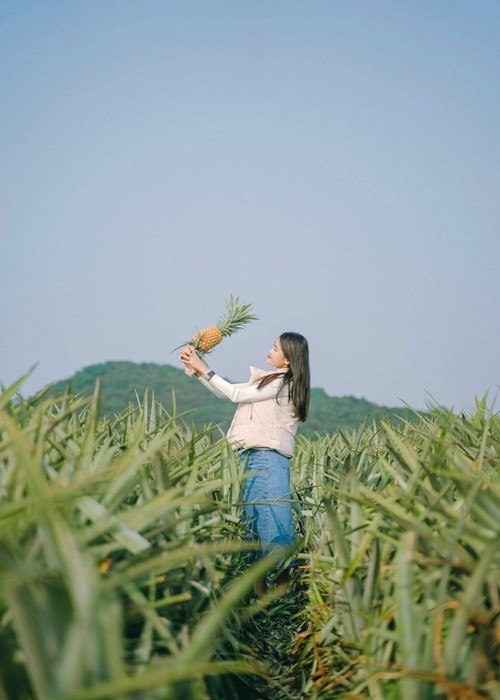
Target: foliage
column 403, row 563
column 122, row 564
column 116, row 539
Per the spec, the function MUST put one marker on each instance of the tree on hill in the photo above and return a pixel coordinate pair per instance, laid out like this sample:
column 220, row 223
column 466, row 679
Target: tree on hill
column 126, row 382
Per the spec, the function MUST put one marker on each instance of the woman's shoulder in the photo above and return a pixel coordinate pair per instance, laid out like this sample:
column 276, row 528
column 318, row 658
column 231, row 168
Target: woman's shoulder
column 257, row 373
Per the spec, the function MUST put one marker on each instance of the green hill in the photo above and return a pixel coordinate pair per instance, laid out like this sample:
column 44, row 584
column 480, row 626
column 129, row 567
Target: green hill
column 123, row 382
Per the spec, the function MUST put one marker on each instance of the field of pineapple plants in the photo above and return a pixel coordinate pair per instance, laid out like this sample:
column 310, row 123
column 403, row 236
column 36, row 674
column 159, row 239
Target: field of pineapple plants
column 122, row 560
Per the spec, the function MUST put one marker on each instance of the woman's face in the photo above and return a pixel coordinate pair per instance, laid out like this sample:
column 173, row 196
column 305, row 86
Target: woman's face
column 275, row 357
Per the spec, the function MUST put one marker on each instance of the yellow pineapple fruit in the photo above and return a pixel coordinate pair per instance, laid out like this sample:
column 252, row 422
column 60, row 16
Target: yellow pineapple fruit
column 234, row 318
column 206, row 339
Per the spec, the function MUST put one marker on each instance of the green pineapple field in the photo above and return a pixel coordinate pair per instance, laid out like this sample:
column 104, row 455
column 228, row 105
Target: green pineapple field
column 122, row 563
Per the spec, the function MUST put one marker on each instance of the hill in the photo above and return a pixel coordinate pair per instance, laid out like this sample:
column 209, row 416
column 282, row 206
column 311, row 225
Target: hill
column 122, row 382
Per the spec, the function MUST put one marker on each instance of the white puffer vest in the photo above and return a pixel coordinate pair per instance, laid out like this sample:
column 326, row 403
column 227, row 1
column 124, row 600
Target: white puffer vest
column 265, row 423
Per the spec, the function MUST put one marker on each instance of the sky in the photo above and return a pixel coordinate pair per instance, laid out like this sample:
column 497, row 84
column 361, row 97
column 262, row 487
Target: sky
column 334, row 163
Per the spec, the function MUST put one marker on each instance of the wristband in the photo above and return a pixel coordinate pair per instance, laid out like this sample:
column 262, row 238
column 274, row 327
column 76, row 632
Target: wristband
column 209, row 375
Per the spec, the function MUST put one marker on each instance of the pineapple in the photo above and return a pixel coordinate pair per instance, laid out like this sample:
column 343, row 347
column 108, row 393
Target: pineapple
column 234, row 318
column 206, row 339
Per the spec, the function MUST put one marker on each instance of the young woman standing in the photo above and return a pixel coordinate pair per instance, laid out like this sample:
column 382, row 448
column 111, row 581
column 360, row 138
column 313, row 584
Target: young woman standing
column 270, row 406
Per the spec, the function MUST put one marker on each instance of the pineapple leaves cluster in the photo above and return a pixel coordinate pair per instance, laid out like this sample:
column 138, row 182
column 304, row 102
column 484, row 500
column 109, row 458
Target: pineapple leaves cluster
column 233, row 319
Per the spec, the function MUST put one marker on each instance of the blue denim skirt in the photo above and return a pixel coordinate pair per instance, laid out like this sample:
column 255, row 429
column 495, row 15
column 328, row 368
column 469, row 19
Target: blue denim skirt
column 267, row 500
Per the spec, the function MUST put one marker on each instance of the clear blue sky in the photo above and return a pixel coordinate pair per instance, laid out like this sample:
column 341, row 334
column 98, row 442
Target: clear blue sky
column 335, row 163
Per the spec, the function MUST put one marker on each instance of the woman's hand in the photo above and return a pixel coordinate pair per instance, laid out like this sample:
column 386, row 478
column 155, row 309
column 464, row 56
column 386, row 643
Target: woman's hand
column 192, row 361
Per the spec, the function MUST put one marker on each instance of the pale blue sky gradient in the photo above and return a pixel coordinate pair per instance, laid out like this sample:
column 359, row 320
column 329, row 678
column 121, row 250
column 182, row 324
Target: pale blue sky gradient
column 335, row 163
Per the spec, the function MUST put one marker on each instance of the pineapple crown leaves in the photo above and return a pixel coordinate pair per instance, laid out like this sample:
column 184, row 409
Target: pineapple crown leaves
column 235, row 316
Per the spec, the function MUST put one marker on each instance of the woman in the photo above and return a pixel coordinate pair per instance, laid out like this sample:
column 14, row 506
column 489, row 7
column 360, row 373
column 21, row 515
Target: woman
column 263, row 430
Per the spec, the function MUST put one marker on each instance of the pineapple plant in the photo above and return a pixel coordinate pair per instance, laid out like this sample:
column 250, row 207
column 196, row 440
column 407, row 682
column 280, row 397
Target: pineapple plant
column 233, row 319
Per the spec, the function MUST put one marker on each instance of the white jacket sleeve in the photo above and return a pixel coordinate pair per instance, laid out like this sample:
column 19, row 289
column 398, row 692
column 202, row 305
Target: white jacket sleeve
column 211, row 387
column 240, row 393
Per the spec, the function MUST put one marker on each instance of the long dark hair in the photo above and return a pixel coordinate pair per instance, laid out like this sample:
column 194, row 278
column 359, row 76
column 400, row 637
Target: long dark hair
column 297, row 377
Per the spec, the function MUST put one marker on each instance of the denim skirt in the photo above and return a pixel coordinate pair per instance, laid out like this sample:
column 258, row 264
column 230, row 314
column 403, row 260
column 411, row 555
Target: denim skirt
column 267, row 501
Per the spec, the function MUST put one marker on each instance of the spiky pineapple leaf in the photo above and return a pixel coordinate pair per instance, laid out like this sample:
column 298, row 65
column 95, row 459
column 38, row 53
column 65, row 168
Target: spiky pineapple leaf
column 235, row 316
